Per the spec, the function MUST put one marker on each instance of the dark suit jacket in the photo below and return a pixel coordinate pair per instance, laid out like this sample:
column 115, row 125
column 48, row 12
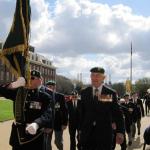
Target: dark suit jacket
column 140, row 104
column 41, row 115
column 60, row 109
column 96, row 119
column 139, row 108
column 73, row 114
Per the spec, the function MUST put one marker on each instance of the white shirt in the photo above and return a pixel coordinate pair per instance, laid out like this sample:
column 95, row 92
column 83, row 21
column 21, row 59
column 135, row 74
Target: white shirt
column 99, row 89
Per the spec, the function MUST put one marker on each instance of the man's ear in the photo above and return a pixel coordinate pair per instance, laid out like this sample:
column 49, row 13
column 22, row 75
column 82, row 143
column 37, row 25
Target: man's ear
column 104, row 77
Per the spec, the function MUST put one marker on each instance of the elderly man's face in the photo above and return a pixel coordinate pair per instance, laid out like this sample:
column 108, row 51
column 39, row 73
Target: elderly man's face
column 97, row 79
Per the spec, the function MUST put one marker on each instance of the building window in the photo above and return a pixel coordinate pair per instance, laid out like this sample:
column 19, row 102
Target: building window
column 2, row 75
column 36, row 58
column 32, row 56
column 7, row 76
column 13, row 77
column 43, row 70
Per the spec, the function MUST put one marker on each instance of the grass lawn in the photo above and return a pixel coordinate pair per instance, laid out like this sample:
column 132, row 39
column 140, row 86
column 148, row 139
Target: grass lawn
column 6, row 110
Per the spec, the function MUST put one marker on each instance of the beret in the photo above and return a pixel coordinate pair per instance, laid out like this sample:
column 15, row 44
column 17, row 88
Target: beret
column 36, row 73
column 97, row 70
column 51, row 82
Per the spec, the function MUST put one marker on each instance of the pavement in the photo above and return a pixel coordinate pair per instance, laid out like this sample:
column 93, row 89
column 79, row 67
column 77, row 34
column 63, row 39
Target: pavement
column 5, row 128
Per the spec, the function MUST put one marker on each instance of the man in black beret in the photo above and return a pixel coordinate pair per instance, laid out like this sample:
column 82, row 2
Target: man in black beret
column 130, row 117
column 60, row 114
column 73, row 111
column 32, row 112
column 99, row 109
column 98, row 70
column 140, row 112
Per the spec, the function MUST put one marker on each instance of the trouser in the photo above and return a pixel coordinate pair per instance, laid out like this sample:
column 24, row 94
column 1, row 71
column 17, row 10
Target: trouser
column 144, row 146
column 47, row 141
column 129, row 132
column 147, row 106
column 124, row 144
column 133, row 129
column 114, row 140
column 138, row 124
column 72, row 132
column 59, row 139
column 129, row 137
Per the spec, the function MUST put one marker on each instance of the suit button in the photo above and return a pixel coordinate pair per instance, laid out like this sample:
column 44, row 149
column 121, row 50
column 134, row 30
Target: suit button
column 94, row 123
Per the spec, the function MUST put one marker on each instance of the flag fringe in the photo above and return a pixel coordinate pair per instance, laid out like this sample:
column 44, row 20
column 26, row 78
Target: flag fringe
column 18, row 48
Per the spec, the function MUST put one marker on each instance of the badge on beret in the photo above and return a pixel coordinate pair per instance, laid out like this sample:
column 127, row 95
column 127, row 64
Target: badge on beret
column 98, row 70
column 33, row 72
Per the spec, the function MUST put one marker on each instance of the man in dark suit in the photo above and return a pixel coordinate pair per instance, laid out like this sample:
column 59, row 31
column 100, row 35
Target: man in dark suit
column 130, row 117
column 73, row 111
column 99, row 108
column 32, row 112
column 147, row 102
column 140, row 112
column 60, row 114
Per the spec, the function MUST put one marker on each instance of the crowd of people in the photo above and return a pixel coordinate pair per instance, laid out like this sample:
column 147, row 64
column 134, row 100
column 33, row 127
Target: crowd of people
column 97, row 119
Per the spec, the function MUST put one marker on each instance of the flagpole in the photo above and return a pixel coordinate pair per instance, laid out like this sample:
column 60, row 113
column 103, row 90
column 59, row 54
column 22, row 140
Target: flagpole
column 131, row 67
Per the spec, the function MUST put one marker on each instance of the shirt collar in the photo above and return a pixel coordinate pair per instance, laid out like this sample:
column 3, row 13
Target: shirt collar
column 99, row 88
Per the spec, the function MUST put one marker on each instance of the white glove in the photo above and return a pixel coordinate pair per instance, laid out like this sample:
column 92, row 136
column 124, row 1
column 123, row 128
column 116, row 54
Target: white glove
column 20, row 82
column 32, row 128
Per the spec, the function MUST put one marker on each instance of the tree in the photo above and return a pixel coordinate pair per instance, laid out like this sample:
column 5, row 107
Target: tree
column 141, row 86
column 64, row 85
column 120, row 88
column 78, row 85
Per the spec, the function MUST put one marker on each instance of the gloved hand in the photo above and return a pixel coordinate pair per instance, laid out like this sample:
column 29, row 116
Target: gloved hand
column 18, row 83
column 32, row 128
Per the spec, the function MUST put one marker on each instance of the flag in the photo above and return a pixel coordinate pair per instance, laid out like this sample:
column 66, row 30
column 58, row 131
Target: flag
column 14, row 53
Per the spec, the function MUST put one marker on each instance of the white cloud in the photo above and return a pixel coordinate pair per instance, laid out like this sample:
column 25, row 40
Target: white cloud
column 80, row 34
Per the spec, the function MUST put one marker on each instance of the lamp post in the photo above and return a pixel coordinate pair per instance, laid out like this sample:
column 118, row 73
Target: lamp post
column 131, row 67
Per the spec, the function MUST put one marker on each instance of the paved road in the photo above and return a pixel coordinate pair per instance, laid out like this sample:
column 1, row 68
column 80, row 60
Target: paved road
column 137, row 143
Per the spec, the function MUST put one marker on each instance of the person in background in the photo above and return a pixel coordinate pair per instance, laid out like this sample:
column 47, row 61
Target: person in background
column 60, row 114
column 123, row 145
column 73, row 111
column 140, row 113
column 147, row 102
column 130, row 117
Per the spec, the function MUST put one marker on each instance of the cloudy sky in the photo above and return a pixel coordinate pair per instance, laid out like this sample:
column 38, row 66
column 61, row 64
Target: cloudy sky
column 79, row 34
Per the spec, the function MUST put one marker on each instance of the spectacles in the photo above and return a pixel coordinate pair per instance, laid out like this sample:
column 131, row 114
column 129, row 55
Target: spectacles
column 33, row 78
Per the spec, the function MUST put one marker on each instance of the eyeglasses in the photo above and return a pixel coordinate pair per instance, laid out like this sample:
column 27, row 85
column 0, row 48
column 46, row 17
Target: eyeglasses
column 32, row 78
